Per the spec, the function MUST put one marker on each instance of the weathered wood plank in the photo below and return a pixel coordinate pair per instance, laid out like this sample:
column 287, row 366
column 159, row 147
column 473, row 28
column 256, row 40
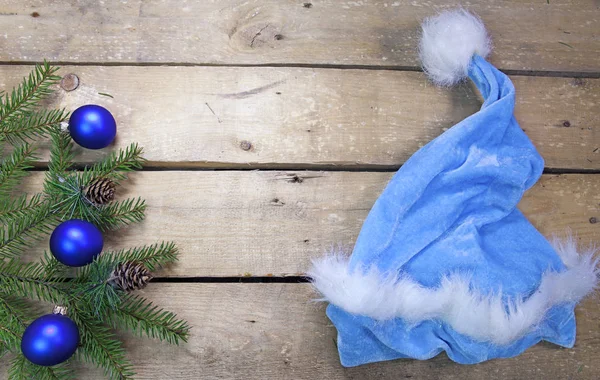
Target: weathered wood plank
column 269, row 223
column 311, row 118
column 558, row 35
column 274, row 331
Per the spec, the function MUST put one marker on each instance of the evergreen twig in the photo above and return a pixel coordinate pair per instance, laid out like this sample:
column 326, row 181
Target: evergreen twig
column 115, row 165
column 22, row 369
column 153, row 256
column 93, row 302
column 28, row 126
column 13, row 169
column 26, row 96
column 144, row 318
column 23, row 230
column 102, row 348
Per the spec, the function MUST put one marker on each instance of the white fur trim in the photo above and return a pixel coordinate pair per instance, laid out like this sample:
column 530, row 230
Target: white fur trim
column 481, row 317
column 448, row 43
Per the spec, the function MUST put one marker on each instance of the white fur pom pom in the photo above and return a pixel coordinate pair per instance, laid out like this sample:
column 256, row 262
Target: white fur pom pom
column 448, row 43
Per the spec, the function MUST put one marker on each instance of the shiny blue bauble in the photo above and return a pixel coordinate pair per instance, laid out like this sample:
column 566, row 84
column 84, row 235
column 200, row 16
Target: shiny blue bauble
column 50, row 340
column 76, row 242
column 92, row 126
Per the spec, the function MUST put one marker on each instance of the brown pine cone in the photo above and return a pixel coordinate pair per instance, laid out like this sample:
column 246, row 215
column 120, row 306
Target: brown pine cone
column 101, row 191
column 130, row 276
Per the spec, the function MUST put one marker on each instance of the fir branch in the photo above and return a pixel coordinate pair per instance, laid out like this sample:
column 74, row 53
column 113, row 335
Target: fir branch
column 29, row 280
column 13, row 168
column 103, row 297
column 61, row 153
column 10, row 336
column 53, row 268
column 69, row 198
column 22, row 231
column 92, row 286
column 23, row 369
column 28, row 94
column 19, row 207
column 115, row 165
column 32, row 125
column 121, row 213
column 144, row 318
column 153, row 256
column 13, row 314
column 101, row 347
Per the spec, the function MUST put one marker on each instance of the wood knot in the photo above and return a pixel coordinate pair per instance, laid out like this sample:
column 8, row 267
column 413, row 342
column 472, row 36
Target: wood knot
column 307, row 5
column 593, row 220
column 246, row 145
column 259, row 35
column 35, row 14
column 69, row 82
column 566, row 123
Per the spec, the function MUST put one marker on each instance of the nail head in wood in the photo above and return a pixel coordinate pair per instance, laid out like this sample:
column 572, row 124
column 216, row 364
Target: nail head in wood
column 69, row 82
column 246, row 145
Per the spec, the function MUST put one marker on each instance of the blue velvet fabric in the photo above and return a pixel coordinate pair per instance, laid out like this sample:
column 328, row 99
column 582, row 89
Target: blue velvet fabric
column 451, row 208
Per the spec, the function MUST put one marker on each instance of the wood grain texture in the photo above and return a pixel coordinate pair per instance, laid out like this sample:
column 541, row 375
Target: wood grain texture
column 270, row 223
column 314, row 118
column 274, row 331
column 558, row 35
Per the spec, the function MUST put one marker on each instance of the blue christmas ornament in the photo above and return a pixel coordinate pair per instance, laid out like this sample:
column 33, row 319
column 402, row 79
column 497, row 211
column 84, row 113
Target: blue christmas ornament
column 50, row 340
column 76, row 242
column 92, row 126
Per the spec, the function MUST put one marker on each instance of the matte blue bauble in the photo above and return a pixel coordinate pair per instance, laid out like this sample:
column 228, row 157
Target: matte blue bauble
column 50, row 340
column 92, row 126
column 76, row 242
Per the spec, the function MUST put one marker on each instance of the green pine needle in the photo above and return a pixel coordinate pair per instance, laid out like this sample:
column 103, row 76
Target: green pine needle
column 144, row 318
column 153, row 256
column 19, row 207
column 13, row 169
column 61, row 153
column 25, row 97
column 88, row 294
column 101, row 347
column 22, row 231
column 121, row 213
column 22, row 369
column 29, row 280
column 115, row 165
column 13, row 316
column 32, row 125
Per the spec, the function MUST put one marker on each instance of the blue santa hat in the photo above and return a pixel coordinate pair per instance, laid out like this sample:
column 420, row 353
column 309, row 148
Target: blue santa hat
column 445, row 261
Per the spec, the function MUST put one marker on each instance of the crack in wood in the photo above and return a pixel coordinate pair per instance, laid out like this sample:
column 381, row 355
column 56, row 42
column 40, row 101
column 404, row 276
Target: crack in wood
column 258, row 34
column 254, row 91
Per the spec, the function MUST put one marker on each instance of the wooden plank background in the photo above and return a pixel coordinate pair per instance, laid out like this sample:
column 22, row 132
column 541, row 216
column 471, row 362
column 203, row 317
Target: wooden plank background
column 314, row 118
column 272, row 126
column 271, row 223
column 553, row 35
column 264, row 331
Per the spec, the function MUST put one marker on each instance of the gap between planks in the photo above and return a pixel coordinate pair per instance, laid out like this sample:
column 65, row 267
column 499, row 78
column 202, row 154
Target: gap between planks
column 269, row 167
column 525, row 73
column 269, row 224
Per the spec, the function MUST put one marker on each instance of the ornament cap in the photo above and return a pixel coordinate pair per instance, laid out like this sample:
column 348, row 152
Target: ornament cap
column 60, row 310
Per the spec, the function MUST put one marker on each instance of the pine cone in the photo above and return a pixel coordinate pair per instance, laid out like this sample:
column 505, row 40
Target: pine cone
column 131, row 275
column 101, row 191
